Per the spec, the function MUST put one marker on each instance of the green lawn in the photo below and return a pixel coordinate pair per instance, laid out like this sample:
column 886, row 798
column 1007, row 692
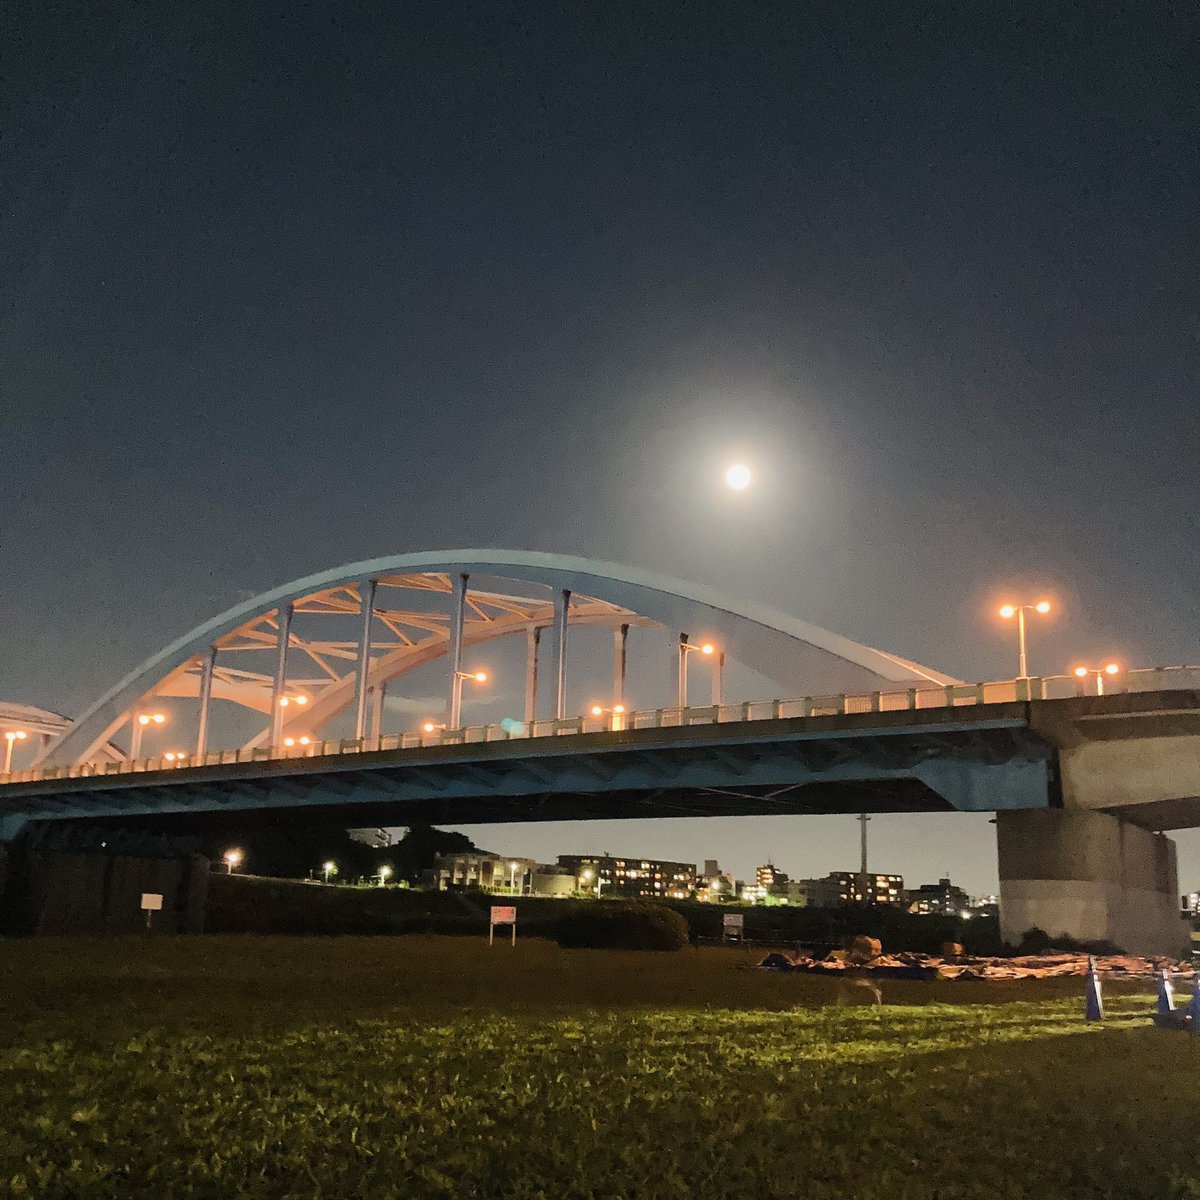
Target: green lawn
column 415, row 1067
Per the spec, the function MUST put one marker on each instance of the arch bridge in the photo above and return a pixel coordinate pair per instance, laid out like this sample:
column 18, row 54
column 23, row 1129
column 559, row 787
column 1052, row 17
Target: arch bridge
column 330, row 645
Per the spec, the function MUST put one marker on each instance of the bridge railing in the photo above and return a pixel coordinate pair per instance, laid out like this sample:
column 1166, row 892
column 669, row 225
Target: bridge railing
column 1044, row 687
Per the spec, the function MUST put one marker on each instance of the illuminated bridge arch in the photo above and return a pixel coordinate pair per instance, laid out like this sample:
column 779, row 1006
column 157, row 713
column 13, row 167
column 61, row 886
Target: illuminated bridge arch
column 388, row 616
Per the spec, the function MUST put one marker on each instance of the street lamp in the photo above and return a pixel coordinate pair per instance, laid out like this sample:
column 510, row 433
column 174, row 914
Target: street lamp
column 233, row 858
column 512, row 877
column 175, row 757
column 384, row 874
column 617, row 711
column 301, row 741
column 141, row 722
column 459, row 677
column 708, row 650
column 1008, row 611
column 11, row 738
column 1099, row 672
column 284, row 701
column 328, row 868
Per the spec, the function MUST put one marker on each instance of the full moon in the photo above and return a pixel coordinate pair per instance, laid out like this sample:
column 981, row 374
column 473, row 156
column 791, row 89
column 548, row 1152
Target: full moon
column 738, row 477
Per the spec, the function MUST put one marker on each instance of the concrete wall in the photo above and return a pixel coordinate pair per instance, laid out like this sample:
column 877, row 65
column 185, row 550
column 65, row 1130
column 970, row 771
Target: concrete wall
column 46, row 892
column 1132, row 771
column 1091, row 876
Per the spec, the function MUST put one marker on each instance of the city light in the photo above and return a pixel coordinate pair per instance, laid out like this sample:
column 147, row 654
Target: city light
column 284, row 701
column 385, row 873
column 232, row 858
column 328, row 868
column 175, row 756
column 738, row 477
column 431, row 727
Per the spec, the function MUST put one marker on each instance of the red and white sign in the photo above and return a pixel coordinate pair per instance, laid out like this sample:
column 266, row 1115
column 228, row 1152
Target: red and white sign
column 503, row 914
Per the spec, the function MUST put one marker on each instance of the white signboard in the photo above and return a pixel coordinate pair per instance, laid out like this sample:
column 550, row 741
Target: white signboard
column 733, row 926
column 151, row 903
column 503, row 914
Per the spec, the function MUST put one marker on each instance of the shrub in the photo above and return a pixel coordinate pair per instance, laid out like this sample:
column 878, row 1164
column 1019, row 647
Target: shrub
column 636, row 925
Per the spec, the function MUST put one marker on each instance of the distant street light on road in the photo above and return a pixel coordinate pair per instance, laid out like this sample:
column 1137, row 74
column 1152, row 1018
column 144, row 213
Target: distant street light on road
column 142, row 722
column 1109, row 669
column 11, row 738
column 233, row 859
column 1008, row 611
column 459, row 677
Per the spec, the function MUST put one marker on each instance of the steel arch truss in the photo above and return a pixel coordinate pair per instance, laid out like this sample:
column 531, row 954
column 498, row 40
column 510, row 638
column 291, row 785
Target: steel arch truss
column 250, row 654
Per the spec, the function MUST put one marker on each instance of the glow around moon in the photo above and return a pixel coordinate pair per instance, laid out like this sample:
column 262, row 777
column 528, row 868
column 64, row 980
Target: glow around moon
column 738, row 477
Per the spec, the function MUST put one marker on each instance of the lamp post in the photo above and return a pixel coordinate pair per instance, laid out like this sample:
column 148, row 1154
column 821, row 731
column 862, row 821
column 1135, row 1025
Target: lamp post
column 1099, row 672
column 175, row 757
column 233, row 858
column 709, row 651
column 617, row 711
column 141, row 722
column 384, row 875
column 1008, row 611
column 512, row 877
column 11, row 738
column 456, row 693
column 328, row 868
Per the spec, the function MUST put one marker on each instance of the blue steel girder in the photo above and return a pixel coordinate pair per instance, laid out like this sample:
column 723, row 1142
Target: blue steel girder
column 987, row 762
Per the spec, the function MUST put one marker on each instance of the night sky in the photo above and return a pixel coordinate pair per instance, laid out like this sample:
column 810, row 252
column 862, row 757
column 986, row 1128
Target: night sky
column 282, row 287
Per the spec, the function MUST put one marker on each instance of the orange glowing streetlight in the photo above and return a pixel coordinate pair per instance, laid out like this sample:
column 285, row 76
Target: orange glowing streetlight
column 1108, row 669
column 1008, row 611
column 617, row 711
column 460, row 677
column 142, row 722
column 11, row 738
column 232, row 859
column 709, row 651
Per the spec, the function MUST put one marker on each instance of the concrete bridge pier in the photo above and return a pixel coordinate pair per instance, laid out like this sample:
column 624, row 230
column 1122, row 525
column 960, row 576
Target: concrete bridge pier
column 1091, row 875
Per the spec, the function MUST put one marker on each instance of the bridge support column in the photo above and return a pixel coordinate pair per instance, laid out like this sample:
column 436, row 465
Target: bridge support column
column 562, row 615
column 458, row 615
column 1091, row 876
column 285, row 636
column 367, row 597
column 620, row 658
column 533, row 644
column 207, row 666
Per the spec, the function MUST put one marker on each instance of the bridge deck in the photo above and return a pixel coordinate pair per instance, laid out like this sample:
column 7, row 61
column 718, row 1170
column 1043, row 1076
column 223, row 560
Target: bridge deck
column 980, row 758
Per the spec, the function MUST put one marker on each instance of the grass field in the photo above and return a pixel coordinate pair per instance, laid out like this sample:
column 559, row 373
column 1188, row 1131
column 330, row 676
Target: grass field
column 423, row 1067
